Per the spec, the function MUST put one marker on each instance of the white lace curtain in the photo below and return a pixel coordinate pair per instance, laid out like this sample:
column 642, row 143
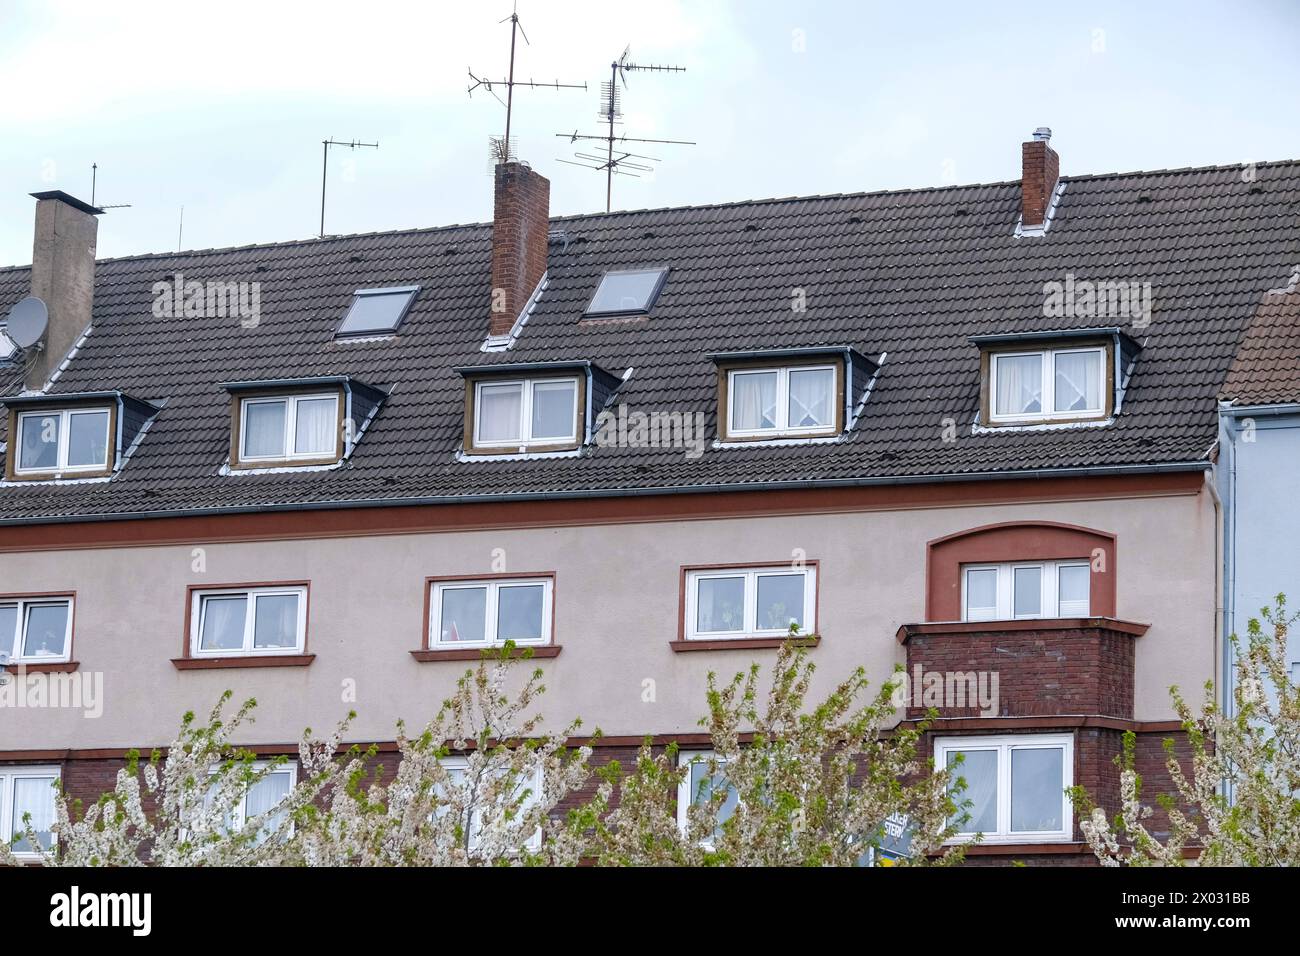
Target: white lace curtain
column 498, row 412
column 317, row 418
column 1020, row 384
column 1078, row 382
column 753, row 401
column 34, row 795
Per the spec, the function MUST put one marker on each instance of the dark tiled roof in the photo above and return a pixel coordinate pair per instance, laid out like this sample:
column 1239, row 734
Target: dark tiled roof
column 1266, row 370
column 910, row 274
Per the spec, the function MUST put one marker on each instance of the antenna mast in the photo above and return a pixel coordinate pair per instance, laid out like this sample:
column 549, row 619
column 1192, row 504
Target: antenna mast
column 611, row 113
column 94, row 182
column 325, row 166
column 503, row 149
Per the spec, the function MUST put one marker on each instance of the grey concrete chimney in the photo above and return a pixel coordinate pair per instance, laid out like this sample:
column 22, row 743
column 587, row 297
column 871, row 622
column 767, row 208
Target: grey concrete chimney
column 63, row 275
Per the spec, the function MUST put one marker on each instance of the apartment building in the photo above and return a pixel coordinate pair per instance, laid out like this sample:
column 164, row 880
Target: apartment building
column 968, row 430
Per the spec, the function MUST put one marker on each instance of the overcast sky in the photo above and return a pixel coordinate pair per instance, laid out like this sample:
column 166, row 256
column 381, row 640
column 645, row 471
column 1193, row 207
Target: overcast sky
column 221, row 107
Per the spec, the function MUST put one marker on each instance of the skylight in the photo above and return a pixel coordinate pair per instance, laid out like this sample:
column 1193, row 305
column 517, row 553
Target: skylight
column 7, row 347
column 377, row 311
column 627, row 292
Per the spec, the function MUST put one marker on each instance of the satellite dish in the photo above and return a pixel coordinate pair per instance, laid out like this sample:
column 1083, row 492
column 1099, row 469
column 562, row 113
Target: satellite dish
column 28, row 321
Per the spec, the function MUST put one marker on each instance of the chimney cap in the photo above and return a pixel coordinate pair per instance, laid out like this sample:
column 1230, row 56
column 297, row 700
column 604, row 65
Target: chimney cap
column 72, row 201
column 1043, row 134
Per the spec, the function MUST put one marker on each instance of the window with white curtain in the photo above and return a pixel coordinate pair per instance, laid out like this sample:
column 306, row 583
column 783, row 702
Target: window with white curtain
column 516, row 414
column 261, row 798
column 1047, row 385
column 36, row 630
column 1028, row 589
column 28, row 790
column 1016, row 785
column 289, row 427
column 489, row 612
column 63, row 440
column 231, row 622
column 776, row 402
column 749, row 602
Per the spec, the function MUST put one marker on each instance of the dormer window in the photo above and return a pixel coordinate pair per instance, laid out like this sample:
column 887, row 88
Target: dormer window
column 73, row 436
column 790, row 393
column 775, row 402
column 626, row 292
column 63, row 441
column 532, row 408
column 528, row 412
column 298, row 422
column 1053, row 378
column 291, row 428
column 1048, row 384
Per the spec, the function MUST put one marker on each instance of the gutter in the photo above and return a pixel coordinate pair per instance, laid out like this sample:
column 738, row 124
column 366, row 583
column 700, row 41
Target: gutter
column 806, row 484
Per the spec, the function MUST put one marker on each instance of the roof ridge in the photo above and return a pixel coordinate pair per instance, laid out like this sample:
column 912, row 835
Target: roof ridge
column 576, row 217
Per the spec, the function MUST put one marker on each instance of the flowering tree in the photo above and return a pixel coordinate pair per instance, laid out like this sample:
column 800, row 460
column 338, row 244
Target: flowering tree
column 477, row 787
column 813, row 786
column 1241, row 800
column 186, row 805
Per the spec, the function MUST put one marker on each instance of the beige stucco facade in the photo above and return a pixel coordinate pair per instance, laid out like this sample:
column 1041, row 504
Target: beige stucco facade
column 616, row 610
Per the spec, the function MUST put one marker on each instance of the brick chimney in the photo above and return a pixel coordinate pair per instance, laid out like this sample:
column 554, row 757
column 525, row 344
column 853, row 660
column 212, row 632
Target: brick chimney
column 63, row 275
column 520, row 224
column 1040, row 167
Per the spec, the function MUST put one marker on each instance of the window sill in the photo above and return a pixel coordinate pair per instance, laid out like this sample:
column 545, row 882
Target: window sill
column 427, row 655
column 743, row 643
column 1066, row 845
column 36, row 667
column 271, row 660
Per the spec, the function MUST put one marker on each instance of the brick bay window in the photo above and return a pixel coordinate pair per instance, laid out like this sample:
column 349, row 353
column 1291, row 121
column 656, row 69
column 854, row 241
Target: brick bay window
column 466, row 615
column 36, row 629
column 532, row 408
column 247, row 625
column 298, row 423
column 747, row 606
column 1053, row 378
column 28, row 791
column 1021, row 590
column 1016, row 785
column 788, row 394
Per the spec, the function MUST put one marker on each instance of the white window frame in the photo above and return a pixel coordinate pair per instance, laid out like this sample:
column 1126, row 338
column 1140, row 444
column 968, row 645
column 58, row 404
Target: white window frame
column 1004, row 744
column 61, row 466
column 1049, row 582
column 750, row 626
column 525, row 439
column 250, row 613
column 239, row 812
column 686, row 793
column 10, row 819
column 290, row 426
column 1047, row 368
column 13, row 643
column 783, row 428
column 490, row 620
column 534, row 841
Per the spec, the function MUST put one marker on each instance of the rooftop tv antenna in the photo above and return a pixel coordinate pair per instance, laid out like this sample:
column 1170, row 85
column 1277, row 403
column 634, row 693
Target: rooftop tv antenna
column 94, row 182
column 503, row 148
column 618, row 161
column 324, row 171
